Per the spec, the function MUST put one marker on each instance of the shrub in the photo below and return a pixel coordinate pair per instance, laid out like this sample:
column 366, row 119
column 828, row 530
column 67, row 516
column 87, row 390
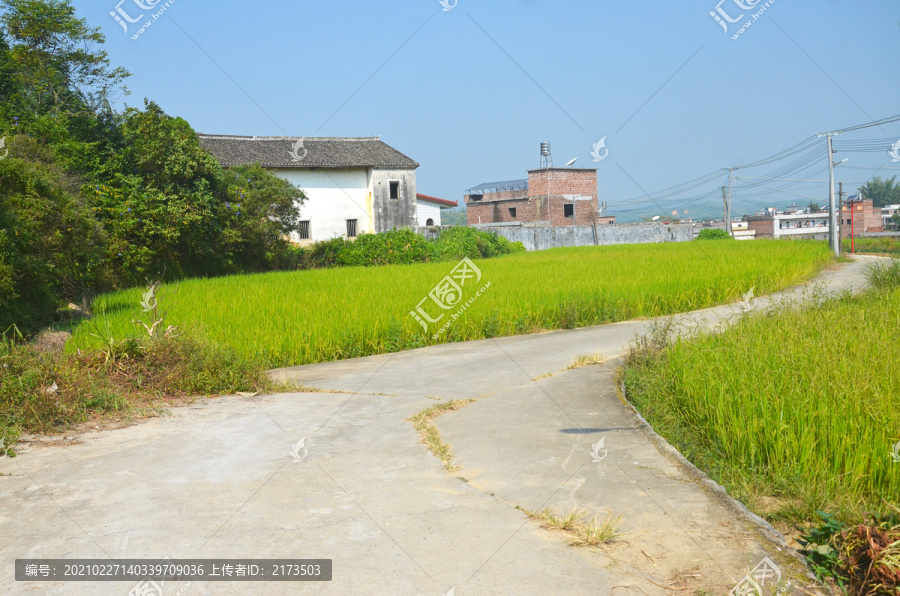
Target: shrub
column 713, row 234
column 404, row 247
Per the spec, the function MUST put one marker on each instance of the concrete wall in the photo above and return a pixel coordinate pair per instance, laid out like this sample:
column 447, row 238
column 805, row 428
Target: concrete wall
column 333, row 197
column 426, row 211
column 544, row 237
column 394, row 213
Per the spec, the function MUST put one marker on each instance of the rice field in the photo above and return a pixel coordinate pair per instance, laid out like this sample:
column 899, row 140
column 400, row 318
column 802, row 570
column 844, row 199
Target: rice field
column 792, row 412
column 292, row 318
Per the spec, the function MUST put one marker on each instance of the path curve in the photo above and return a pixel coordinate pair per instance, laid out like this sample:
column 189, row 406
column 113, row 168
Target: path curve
column 221, row 478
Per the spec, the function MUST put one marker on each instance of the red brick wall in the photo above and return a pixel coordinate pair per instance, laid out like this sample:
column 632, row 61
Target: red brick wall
column 866, row 218
column 562, row 181
column 494, row 207
column 764, row 225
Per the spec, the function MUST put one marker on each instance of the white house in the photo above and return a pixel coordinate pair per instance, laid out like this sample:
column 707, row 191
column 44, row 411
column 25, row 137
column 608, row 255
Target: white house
column 353, row 185
column 810, row 226
column 428, row 209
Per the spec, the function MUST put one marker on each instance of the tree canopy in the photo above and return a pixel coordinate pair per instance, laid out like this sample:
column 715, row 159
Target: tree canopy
column 92, row 198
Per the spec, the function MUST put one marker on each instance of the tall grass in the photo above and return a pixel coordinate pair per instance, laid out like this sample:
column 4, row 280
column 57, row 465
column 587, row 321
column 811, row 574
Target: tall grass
column 799, row 408
column 885, row 245
column 312, row 316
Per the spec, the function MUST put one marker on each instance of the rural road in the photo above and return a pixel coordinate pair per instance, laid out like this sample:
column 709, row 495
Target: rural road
column 217, row 479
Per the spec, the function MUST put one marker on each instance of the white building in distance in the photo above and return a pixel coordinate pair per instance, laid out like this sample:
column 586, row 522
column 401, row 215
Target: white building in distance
column 353, row 185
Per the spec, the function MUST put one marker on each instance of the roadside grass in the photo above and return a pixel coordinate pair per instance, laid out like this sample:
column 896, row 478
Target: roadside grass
column 583, row 360
column 794, row 411
column 293, row 318
column 593, row 532
column 881, row 246
column 423, row 422
column 47, row 393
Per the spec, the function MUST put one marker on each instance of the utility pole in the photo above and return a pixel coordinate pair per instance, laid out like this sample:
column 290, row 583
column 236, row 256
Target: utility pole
column 840, row 209
column 833, row 233
column 725, row 207
column 728, row 221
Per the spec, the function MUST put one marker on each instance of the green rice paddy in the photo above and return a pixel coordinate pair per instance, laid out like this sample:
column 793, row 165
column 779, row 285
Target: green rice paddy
column 292, row 318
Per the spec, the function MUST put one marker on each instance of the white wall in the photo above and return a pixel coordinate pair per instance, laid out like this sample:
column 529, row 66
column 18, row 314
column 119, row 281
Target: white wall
column 332, row 197
column 428, row 210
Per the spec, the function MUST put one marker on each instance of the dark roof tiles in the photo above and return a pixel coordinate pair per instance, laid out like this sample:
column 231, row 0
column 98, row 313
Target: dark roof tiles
column 305, row 152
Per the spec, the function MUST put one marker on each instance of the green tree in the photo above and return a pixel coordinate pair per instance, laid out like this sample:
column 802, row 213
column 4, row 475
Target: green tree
column 59, row 66
column 882, row 192
column 51, row 247
column 169, row 206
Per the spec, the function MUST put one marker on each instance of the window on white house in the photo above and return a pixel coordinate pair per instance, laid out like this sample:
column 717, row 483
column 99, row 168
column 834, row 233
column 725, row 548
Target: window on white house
column 304, row 230
column 351, row 228
column 429, row 222
column 395, row 189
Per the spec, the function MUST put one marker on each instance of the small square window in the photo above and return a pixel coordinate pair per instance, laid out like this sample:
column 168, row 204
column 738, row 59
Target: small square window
column 512, row 211
column 476, row 197
column 395, row 189
column 303, row 232
column 351, row 228
column 568, row 210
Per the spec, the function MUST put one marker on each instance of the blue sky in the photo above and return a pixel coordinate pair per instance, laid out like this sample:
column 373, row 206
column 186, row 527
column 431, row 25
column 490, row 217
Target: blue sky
column 471, row 92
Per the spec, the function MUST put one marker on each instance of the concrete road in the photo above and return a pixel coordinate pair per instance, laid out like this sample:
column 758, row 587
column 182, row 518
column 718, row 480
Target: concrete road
column 226, row 478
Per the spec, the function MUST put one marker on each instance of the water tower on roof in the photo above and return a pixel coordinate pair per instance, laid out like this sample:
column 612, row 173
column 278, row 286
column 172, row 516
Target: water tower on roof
column 546, row 159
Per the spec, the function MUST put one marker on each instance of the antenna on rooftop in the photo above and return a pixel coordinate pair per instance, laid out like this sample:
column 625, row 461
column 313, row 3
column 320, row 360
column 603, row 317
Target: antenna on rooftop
column 546, row 159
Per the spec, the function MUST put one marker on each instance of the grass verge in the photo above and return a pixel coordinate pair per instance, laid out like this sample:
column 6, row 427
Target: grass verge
column 879, row 246
column 592, row 532
column 431, row 437
column 796, row 412
column 51, row 392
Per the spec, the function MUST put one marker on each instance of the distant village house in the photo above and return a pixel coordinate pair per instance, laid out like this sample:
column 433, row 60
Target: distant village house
column 353, row 185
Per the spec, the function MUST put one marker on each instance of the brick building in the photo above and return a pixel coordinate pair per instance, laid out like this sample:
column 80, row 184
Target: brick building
column 552, row 196
column 865, row 217
column 814, row 226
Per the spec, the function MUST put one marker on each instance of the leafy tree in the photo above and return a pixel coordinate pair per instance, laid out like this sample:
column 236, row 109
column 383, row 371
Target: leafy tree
column 59, row 67
column 882, row 192
column 169, row 206
column 91, row 198
column 51, row 247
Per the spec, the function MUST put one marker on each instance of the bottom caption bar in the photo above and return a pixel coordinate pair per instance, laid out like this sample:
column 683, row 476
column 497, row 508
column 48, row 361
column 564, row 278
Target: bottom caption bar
column 210, row 570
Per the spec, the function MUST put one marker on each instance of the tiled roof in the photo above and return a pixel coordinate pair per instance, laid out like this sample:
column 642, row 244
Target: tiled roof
column 305, row 152
column 436, row 200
